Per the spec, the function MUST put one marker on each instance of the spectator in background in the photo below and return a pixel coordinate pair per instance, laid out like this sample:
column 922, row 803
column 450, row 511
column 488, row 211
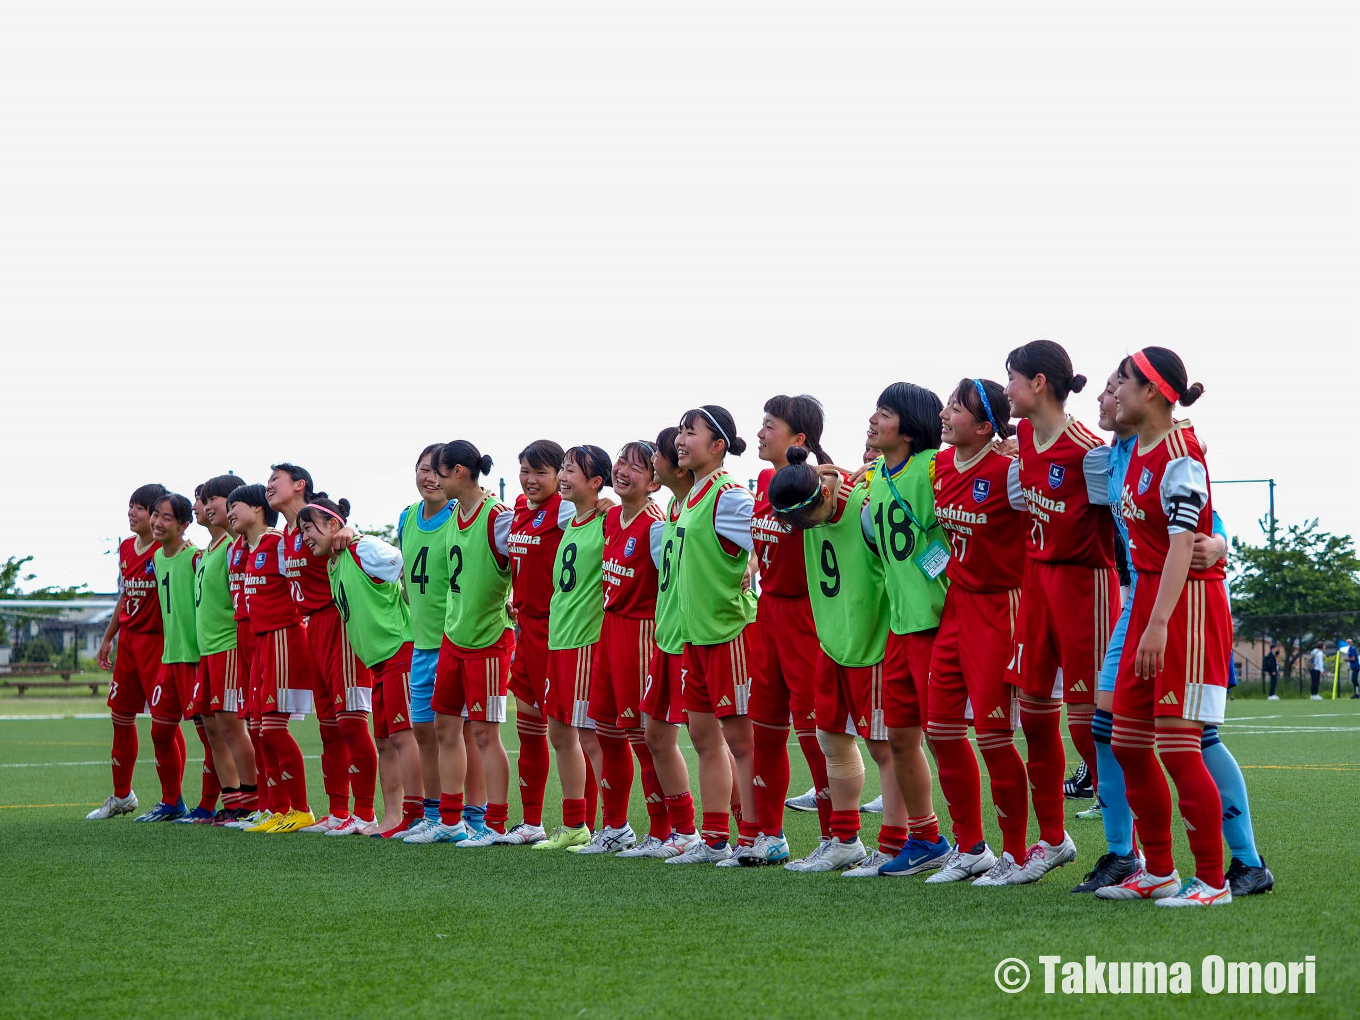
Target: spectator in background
column 1353, row 660
column 1270, row 666
column 1317, row 662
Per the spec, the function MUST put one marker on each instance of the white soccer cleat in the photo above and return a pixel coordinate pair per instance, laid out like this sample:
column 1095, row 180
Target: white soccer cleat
column 608, row 841
column 960, row 865
column 1042, row 858
column 767, row 850
column 833, row 855
column 874, row 807
column 1198, row 893
column 254, row 818
column 522, row 834
column 869, row 869
column 437, row 833
column 649, row 847
column 326, row 824
column 351, row 826
column 113, row 807
column 796, row 865
column 486, row 837
column 700, row 852
column 422, row 823
column 1273, row 697
column 999, row 873
column 1142, row 886
column 803, row 802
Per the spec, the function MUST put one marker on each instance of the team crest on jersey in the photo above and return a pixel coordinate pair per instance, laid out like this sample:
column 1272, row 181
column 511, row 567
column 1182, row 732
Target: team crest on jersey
column 629, row 546
column 297, row 542
column 1144, row 480
column 538, row 518
column 236, row 558
column 981, row 487
column 149, row 569
column 1056, row 474
column 259, row 560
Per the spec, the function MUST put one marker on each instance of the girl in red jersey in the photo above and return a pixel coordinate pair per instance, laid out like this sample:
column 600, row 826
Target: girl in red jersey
column 1070, row 594
column 632, row 542
column 783, row 640
column 1173, row 675
column 281, row 659
column 136, row 623
column 986, row 522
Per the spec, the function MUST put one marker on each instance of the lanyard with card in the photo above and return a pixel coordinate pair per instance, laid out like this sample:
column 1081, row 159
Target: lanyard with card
column 932, row 560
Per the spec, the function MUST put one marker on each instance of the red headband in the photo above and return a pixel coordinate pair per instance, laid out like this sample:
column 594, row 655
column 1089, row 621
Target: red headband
column 324, row 510
column 1153, row 376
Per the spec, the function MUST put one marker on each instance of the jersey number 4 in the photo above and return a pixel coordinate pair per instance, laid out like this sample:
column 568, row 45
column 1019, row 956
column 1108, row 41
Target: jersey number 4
column 419, row 570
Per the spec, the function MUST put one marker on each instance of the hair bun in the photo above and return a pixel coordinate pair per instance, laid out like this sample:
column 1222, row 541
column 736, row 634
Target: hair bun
column 485, row 464
column 737, row 447
column 1078, row 383
column 343, row 504
column 797, row 454
column 318, row 495
column 1192, row 393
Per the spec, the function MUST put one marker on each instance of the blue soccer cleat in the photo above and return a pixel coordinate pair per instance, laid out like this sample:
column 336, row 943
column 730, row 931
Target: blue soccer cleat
column 164, row 812
column 917, row 856
column 198, row 816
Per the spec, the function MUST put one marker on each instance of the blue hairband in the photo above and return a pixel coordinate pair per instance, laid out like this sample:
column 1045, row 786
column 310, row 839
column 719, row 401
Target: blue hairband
column 986, row 405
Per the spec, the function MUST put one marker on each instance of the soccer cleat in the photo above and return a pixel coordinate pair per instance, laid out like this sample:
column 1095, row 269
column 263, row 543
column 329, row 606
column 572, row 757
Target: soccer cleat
column 477, row 829
column 874, row 807
column 1042, row 858
column 483, row 837
column 326, row 823
column 699, row 852
column 422, row 823
column 197, row 816
column 804, row 802
column 293, row 821
column 1077, row 786
column 767, row 850
column 999, row 873
column 917, row 856
column 1245, row 880
column 961, row 864
column 647, row 848
column 1142, row 886
column 436, row 833
column 563, row 838
column 1198, row 893
column 869, row 869
column 1311, row 697
column 522, row 834
column 795, row 865
column 608, row 841
column 672, row 846
column 164, row 812
column 1111, row 869
column 1273, row 697
column 224, row 816
column 834, row 855
column 113, row 807
column 353, row 826
column 1091, row 814
column 246, row 819
column 267, row 822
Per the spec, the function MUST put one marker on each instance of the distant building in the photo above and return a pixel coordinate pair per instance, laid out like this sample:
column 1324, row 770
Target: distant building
column 66, row 623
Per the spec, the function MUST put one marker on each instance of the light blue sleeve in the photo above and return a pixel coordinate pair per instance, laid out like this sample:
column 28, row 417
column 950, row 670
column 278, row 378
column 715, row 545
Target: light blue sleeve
column 1219, row 529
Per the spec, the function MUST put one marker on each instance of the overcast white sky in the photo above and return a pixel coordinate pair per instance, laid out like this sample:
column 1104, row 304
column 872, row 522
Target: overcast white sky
column 237, row 233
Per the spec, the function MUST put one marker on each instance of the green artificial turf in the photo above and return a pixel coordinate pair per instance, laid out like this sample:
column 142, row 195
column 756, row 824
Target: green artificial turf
column 114, row 919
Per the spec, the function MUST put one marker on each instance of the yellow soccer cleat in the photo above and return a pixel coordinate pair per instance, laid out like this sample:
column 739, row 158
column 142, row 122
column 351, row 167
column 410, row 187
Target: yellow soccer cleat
column 563, row 838
column 293, row 821
column 267, row 823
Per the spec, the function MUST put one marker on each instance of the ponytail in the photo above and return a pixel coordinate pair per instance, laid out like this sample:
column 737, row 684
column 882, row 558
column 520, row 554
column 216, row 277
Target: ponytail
column 1162, row 368
column 461, row 452
column 1044, row 357
column 322, row 507
column 803, row 413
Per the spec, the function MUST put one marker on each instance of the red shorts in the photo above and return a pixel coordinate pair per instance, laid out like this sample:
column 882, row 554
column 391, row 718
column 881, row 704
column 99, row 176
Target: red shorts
column 906, row 679
column 717, row 678
column 850, row 699
column 340, row 682
column 285, row 671
column 968, row 666
column 220, row 675
column 392, row 693
column 1066, row 615
column 172, row 699
column 567, row 698
column 529, row 666
column 785, row 658
column 135, row 671
column 1193, row 683
column 472, row 682
column 663, row 697
column 245, row 657
column 625, row 655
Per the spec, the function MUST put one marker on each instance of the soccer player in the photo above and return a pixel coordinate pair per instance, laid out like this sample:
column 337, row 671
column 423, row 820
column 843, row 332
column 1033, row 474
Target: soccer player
column 172, row 697
column 365, row 576
column 282, row 665
column 224, row 668
column 540, row 517
column 576, row 617
column 136, row 623
column 1068, row 596
column 783, row 640
column 905, row 430
column 343, row 685
column 472, row 678
column 713, row 548
column 662, row 698
column 845, row 582
column 633, row 534
column 986, row 523
column 1174, row 680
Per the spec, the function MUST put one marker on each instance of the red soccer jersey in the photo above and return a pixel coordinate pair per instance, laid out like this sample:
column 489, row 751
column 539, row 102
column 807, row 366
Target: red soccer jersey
column 265, row 583
column 780, row 552
column 535, row 534
column 141, row 610
column 1057, row 482
column 307, row 578
column 629, row 571
column 763, row 484
column 986, row 529
column 236, row 575
column 1166, row 491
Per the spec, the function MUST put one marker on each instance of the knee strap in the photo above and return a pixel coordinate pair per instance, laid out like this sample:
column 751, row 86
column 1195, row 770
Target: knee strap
column 843, row 760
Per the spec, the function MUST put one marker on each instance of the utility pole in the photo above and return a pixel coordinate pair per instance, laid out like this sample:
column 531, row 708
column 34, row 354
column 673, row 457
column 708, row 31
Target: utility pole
column 1270, row 482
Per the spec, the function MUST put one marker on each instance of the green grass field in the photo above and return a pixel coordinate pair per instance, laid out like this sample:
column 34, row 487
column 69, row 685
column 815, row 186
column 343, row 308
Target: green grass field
column 113, row 919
